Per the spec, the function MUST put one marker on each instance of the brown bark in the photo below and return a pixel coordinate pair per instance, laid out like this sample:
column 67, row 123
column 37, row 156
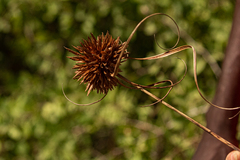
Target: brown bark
column 227, row 95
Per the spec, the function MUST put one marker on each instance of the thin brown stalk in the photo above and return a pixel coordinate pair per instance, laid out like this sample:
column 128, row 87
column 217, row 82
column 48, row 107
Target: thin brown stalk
column 193, row 121
column 184, row 115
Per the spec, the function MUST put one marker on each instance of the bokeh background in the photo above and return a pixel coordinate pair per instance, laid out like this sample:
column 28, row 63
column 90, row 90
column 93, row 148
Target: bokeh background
column 37, row 122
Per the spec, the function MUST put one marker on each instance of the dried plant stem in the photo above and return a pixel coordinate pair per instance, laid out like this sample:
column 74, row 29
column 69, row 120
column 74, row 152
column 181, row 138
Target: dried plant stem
column 193, row 121
column 182, row 114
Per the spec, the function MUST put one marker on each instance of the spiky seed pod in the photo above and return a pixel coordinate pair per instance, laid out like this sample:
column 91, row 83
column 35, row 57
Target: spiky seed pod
column 96, row 60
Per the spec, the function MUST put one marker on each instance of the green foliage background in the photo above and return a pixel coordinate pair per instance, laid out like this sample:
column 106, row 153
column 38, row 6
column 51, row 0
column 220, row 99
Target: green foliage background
column 37, row 122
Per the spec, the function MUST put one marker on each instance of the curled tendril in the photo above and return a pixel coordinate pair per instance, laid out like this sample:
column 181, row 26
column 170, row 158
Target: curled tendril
column 149, row 58
column 152, row 86
column 131, row 35
column 235, row 115
column 81, row 104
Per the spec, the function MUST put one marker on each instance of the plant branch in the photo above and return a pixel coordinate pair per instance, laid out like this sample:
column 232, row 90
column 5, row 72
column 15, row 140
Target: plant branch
column 193, row 121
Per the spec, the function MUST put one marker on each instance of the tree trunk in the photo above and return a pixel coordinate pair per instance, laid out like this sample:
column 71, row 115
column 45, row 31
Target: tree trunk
column 227, row 95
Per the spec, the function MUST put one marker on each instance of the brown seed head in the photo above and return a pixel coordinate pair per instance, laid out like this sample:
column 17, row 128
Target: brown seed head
column 96, row 60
